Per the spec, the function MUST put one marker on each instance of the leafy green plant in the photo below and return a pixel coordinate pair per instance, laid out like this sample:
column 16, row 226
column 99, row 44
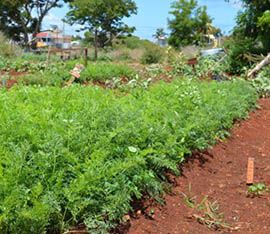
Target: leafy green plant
column 106, row 71
column 211, row 66
column 262, row 82
column 257, row 189
column 83, row 154
column 178, row 64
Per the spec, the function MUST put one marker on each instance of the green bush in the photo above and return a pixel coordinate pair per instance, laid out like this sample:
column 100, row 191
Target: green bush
column 237, row 50
column 106, row 71
column 82, row 154
column 153, row 54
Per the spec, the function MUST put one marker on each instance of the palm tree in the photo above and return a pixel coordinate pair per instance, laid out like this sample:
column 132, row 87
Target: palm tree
column 160, row 33
column 160, row 36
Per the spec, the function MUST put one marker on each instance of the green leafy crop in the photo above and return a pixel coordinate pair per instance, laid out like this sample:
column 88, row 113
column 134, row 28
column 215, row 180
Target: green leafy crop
column 107, row 71
column 82, row 154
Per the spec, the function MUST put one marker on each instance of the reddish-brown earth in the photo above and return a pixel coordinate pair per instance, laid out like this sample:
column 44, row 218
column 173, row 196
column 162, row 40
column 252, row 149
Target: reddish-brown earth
column 220, row 174
column 14, row 75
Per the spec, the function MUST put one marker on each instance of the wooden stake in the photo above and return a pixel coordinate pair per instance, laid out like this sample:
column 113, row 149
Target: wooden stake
column 85, row 57
column 250, row 171
column 48, row 55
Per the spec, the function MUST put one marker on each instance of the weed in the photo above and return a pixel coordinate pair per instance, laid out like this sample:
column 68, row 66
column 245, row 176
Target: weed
column 189, row 199
column 257, row 190
column 207, row 213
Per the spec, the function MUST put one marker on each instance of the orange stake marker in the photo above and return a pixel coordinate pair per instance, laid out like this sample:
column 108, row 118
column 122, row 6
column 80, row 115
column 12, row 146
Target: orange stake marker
column 250, row 171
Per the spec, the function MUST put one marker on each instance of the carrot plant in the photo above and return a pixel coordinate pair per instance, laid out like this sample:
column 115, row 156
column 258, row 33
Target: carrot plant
column 82, row 154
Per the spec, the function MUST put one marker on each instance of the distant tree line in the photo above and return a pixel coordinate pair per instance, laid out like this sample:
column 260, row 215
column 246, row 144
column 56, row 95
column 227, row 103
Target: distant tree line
column 103, row 21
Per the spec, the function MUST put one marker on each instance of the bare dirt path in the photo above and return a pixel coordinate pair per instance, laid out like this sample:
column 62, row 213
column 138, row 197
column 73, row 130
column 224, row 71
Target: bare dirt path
column 220, row 174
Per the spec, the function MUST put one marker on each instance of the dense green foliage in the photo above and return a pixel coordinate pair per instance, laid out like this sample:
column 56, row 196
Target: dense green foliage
column 106, row 71
column 81, row 154
column 253, row 22
column 237, row 51
column 189, row 23
column 250, row 35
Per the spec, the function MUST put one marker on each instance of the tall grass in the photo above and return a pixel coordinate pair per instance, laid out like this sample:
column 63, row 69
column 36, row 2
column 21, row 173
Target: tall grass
column 8, row 48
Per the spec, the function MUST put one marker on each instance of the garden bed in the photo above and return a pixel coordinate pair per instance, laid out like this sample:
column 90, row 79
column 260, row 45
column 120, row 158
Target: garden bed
column 220, row 174
column 83, row 154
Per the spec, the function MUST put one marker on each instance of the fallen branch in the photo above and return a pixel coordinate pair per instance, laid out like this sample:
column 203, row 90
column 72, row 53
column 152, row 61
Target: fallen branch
column 262, row 64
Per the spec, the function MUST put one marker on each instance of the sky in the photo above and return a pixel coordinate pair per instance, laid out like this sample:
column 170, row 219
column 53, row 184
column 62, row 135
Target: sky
column 153, row 14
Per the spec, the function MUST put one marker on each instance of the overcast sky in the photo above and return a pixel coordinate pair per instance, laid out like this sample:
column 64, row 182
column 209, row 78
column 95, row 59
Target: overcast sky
column 153, row 14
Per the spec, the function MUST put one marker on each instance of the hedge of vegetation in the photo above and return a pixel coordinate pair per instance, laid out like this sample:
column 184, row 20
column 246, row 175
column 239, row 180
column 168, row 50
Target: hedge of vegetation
column 81, row 154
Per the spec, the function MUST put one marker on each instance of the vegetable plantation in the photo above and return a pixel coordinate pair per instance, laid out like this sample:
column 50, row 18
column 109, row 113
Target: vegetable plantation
column 97, row 126
column 83, row 154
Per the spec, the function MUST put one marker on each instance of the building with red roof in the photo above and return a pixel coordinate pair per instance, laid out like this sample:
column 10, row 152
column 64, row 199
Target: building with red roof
column 54, row 38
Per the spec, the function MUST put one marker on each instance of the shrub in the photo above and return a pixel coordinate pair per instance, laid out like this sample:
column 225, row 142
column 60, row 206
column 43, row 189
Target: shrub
column 237, row 50
column 152, row 54
column 211, row 66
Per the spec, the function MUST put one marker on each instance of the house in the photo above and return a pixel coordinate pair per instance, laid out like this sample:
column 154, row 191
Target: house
column 53, row 38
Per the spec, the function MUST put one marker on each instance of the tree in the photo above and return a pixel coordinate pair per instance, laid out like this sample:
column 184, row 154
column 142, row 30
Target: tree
column 189, row 23
column 24, row 17
column 160, row 33
column 160, row 37
column 103, row 18
column 250, row 36
column 254, row 22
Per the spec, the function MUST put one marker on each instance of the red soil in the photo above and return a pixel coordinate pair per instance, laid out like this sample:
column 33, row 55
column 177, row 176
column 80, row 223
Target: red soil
column 220, row 174
column 14, row 75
